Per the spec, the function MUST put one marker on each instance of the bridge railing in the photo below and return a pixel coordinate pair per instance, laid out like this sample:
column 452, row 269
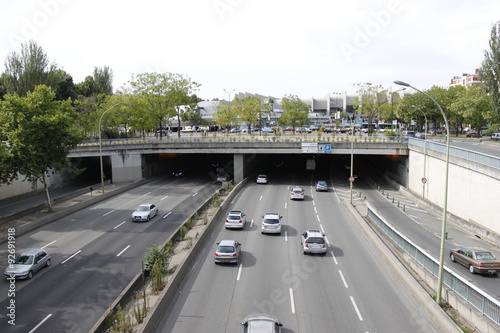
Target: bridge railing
column 477, row 157
column 324, row 138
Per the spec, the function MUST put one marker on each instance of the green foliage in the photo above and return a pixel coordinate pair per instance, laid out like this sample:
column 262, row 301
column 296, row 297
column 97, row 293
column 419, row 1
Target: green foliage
column 155, row 254
column 182, row 232
column 373, row 101
column 294, row 112
column 157, row 273
column 489, row 71
column 473, row 105
column 249, row 109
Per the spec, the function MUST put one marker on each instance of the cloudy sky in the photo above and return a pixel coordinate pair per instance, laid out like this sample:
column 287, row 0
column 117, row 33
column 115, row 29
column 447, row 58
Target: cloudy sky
column 271, row 47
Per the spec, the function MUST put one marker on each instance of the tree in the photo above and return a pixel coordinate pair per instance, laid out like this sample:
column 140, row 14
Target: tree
column 249, row 109
column 192, row 116
column 32, row 67
column 40, row 132
column 473, row 105
column 294, row 112
column 489, row 71
column 225, row 114
column 372, row 100
column 101, row 82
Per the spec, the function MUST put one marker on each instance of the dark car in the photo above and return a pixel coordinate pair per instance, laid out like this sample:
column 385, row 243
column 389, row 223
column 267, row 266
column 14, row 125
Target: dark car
column 478, row 260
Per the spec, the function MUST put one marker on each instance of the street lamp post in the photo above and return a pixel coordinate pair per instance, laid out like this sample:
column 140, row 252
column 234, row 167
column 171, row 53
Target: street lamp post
column 100, row 147
column 424, row 180
column 445, row 204
column 229, row 93
column 351, row 179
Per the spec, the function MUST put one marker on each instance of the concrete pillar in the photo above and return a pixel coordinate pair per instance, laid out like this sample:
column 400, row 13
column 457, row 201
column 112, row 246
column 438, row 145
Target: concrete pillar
column 239, row 167
column 126, row 167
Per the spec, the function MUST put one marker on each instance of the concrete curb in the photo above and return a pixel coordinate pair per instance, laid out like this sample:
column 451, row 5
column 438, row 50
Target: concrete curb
column 430, row 307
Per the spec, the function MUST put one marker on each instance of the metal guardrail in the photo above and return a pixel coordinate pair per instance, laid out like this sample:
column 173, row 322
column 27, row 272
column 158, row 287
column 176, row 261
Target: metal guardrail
column 470, row 155
column 482, row 301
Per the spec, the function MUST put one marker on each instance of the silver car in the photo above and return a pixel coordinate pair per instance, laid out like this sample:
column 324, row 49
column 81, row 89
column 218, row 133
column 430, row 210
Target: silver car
column 271, row 223
column 297, row 193
column 145, row 212
column 235, row 219
column 27, row 264
column 313, row 241
column 321, row 185
column 228, row 251
column 261, row 323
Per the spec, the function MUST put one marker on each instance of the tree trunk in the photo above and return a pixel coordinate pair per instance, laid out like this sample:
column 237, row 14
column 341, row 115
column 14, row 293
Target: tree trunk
column 47, row 194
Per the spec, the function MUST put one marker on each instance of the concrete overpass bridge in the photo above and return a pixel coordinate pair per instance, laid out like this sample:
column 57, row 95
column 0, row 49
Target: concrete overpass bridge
column 417, row 165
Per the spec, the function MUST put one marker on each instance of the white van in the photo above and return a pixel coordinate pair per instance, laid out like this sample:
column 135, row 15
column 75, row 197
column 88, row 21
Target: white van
column 495, row 136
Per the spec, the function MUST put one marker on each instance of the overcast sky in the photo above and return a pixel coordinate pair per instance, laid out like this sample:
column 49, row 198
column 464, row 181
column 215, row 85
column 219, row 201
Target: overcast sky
column 271, row 47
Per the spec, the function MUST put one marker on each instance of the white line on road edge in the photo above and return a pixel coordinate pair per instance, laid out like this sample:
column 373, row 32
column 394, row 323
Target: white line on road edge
column 164, row 198
column 292, row 302
column 343, row 279
column 49, row 244
column 327, row 241
column 125, row 249
column 145, row 194
column 239, row 272
column 164, row 216
column 334, row 258
column 322, row 230
column 40, row 323
column 356, row 308
column 111, row 211
column 74, row 254
column 119, row 224
column 317, row 216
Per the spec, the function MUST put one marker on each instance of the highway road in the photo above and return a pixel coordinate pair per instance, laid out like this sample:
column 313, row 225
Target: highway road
column 350, row 289
column 95, row 254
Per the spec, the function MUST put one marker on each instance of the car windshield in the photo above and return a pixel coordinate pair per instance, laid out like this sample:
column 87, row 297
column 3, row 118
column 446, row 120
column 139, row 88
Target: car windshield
column 298, row 191
column 484, row 256
column 320, row 183
column 24, row 260
column 225, row 249
column 271, row 221
column 143, row 208
column 262, row 176
column 317, row 240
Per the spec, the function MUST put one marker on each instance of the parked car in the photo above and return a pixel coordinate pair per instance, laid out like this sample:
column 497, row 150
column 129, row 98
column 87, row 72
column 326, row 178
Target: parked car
column 228, row 251
column 288, row 129
column 328, row 129
column 321, row 185
column 297, row 193
column 478, row 260
column 302, row 130
column 262, row 179
column 145, row 212
column 472, row 135
column 313, row 241
column 495, row 136
column 28, row 263
column 235, row 219
column 261, row 323
column 408, row 134
column 267, row 130
column 420, row 135
column 271, row 223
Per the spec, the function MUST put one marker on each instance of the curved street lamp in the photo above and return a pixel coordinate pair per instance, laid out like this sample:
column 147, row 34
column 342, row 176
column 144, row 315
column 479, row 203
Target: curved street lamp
column 100, row 146
column 425, row 149
column 229, row 93
column 445, row 204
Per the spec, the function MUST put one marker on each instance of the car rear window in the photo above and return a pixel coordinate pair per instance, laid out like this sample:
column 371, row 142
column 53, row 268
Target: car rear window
column 316, row 240
column 271, row 221
column 225, row 249
column 233, row 217
column 484, row 256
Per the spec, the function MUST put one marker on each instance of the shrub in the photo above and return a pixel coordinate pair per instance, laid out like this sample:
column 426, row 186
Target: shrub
column 155, row 254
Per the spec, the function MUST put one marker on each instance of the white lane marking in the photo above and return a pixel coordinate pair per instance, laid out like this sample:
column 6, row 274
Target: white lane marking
column 120, row 224
column 334, row 258
column 40, row 323
column 239, row 272
column 164, row 216
column 286, row 236
column 111, row 211
column 315, row 210
column 314, row 204
column 292, row 302
column 145, row 194
column 164, row 198
column 317, row 217
column 74, row 254
column 194, row 194
column 260, row 199
column 327, row 241
column 251, row 223
column 321, row 227
column 125, row 249
column 356, row 308
column 286, row 204
column 343, row 279
column 49, row 244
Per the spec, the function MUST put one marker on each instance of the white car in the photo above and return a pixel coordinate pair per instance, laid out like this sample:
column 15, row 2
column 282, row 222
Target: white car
column 313, row 241
column 262, row 179
column 271, row 223
column 145, row 212
column 235, row 220
column 297, row 193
